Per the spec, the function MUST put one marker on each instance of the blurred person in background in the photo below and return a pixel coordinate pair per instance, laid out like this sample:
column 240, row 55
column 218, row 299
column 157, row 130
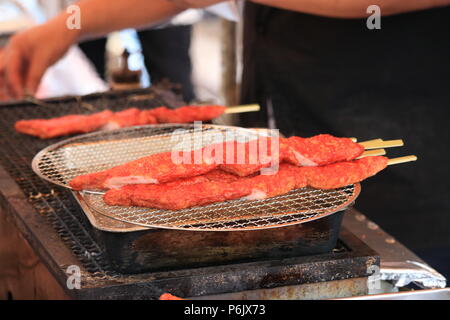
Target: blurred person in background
column 318, row 67
column 165, row 49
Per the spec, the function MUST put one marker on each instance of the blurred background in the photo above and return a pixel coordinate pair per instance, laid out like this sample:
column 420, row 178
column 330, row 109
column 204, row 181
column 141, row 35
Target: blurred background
column 203, row 42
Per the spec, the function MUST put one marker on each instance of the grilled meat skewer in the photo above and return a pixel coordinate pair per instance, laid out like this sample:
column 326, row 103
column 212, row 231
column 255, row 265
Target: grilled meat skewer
column 204, row 190
column 187, row 114
column 72, row 124
column 157, row 168
column 160, row 168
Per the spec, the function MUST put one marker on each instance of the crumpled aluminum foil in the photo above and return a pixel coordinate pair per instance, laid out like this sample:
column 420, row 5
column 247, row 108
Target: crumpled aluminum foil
column 403, row 273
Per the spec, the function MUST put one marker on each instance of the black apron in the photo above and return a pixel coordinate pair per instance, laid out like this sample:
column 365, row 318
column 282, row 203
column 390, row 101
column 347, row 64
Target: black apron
column 325, row 75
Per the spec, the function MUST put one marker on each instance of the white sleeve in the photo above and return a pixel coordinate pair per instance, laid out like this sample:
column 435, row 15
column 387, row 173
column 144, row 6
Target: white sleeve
column 229, row 10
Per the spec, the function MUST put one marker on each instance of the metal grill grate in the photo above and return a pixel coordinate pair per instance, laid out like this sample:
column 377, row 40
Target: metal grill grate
column 94, row 152
column 55, row 203
column 97, row 151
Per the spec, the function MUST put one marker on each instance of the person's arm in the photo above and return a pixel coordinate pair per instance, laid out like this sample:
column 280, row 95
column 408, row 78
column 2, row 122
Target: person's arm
column 29, row 53
column 102, row 16
column 352, row 8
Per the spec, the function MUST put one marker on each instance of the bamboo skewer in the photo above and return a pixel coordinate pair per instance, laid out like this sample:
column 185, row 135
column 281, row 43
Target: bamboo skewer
column 401, row 160
column 376, row 144
column 370, row 141
column 243, row 108
column 372, row 153
column 379, row 143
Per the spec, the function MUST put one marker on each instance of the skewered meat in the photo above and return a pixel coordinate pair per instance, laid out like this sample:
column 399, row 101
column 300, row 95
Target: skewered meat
column 146, row 170
column 163, row 197
column 211, row 187
column 340, row 174
column 72, row 124
column 216, row 175
column 321, row 150
column 168, row 296
column 248, row 158
column 128, row 118
column 287, row 178
column 146, row 117
column 181, row 195
column 187, row 114
column 244, row 159
column 156, row 168
column 159, row 168
column 162, row 167
column 195, row 191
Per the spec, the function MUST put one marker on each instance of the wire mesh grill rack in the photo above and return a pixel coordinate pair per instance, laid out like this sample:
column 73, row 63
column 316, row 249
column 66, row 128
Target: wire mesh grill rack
column 95, row 152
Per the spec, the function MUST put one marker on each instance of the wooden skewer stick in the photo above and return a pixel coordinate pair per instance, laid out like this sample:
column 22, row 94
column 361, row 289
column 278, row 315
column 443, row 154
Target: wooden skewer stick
column 401, row 160
column 375, row 144
column 243, row 108
column 372, row 153
column 374, row 140
column 371, row 141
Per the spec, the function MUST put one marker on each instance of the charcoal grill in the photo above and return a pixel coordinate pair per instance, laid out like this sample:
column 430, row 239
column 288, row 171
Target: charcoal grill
column 109, row 250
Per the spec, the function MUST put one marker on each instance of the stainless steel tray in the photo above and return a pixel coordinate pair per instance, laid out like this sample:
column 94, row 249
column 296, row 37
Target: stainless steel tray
column 104, row 223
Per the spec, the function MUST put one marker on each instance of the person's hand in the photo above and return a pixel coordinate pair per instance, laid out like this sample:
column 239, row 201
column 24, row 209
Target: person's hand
column 28, row 54
column 195, row 3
